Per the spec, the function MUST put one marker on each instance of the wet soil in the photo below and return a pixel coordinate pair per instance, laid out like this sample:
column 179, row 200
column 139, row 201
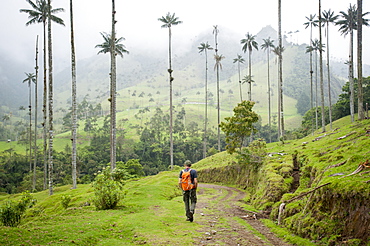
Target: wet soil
column 226, row 223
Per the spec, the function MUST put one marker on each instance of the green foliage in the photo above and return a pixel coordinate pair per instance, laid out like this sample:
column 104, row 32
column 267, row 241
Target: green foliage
column 108, row 189
column 12, row 212
column 65, row 199
column 341, row 108
column 239, row 126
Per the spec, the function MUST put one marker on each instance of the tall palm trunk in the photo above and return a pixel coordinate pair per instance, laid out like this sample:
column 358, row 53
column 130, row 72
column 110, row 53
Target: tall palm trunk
column 351, row 82
column 51, row 130
column 311, row 79
column 269, row 91
column 361, row 113
column 113, row 93
column 280, row 84
column 218, row 94
column 328, row 66
column 74, row 103
column 206, row 109
column 321, row 73
column 316, row 92
column 250, row 74
column 240, row 84
column 171, row 102
column 44, row 110
column 35, row 128
column 30, row 122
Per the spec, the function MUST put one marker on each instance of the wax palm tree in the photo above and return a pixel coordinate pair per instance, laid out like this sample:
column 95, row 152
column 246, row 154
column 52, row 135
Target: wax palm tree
column 50, row 94
column 30, row 78
column 168, row 21
column 348, row 23
column 280, row 70
column 106, row 45
column 361, row 114
column 267, row 45
column 36, row 108
column 312, row 22
column 321, row 73
column 74, row 102
column 247, row 79
column 316, row 48
column 215, row 33
column 328, row 17
column 218, row 67
column 277, row 50
column 203, row 48
column 239, row 59
column 248, row 44
column 310, row 49
column 39, row 14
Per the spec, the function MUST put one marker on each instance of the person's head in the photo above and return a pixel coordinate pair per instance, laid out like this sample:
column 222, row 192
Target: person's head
column 187, row 163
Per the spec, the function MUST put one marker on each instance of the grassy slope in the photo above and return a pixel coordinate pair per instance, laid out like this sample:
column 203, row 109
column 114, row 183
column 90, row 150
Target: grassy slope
column 151, row 212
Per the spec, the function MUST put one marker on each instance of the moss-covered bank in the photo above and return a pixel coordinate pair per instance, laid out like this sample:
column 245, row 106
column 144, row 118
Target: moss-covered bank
column 312, row 178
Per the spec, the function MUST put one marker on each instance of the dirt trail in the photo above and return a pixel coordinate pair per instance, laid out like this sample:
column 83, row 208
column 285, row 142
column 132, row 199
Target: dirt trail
column 225, row 221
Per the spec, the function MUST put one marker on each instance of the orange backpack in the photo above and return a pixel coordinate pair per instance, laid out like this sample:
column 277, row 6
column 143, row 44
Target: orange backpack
column 186, row 180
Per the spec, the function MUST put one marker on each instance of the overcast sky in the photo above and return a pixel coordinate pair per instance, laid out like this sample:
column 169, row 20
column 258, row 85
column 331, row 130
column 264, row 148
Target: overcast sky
column 137, row 22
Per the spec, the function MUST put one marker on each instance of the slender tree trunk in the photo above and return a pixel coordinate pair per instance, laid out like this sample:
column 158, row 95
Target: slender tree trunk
column 44, row 110
column 269, row 91
column 281, row 111
column 35, row 139
column 351, row 82
column 218, row 108
column 328, row 65
column 218, row 96
column 311, row 79
column 240, row 84
column 113, row 92
column 206, row 108
column 171, row 103
column 321, row 74
column 50, row 55
column 250, row 75
column 316, row 92
column 74, row 103
column 360, row 95
column 30, row 122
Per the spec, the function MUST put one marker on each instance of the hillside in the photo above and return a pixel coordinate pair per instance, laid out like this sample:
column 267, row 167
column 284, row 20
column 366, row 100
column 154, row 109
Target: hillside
column 336, row 213
column 142, row 81
column 310, row 183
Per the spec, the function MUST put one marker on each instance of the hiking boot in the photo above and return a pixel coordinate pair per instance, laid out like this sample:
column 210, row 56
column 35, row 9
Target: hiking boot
column 191, row 218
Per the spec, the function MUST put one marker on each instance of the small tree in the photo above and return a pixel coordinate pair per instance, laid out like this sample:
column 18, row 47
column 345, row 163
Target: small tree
column 240, row 126
column 107, row 189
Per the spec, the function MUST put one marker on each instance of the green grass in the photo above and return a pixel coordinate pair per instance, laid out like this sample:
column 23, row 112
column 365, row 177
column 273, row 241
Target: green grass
column 151, row 212
column 286, row 235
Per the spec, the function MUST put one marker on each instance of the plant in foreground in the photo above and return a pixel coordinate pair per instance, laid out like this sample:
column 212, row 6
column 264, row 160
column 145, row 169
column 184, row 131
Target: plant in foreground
column 107, row 189
column 11, row 212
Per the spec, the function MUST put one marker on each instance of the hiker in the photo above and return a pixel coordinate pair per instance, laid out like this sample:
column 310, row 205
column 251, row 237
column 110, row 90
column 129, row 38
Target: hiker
column 188, row 182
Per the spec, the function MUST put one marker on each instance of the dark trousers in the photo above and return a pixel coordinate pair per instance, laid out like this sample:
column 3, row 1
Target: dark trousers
column 190, row 199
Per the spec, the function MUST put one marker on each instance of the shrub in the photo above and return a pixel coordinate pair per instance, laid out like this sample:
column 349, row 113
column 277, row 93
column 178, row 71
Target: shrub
column 65, row 199
column 107, row 190
column 11, row 212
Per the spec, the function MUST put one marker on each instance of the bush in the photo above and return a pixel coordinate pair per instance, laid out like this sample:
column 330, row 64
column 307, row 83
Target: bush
column 65, row 199
column 11, row 212
column 107, row 190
